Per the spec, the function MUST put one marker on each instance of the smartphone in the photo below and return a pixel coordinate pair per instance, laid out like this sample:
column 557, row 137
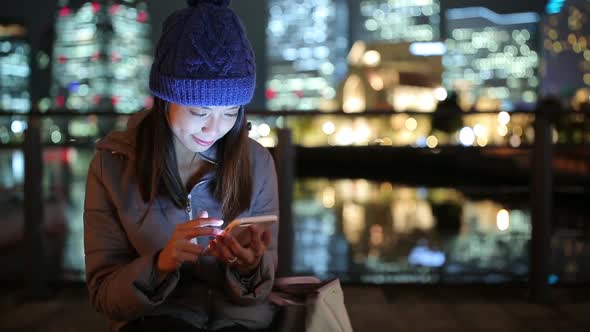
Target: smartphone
column 238, row 228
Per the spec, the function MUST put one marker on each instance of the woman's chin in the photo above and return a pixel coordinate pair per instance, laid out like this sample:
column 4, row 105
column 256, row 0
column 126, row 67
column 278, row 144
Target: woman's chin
column 197, row 148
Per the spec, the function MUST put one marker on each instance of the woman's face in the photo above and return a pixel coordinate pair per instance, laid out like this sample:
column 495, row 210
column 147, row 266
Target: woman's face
column 198, row 127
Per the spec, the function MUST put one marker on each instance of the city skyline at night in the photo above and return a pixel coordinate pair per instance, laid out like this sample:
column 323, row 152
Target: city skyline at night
column 157, row 12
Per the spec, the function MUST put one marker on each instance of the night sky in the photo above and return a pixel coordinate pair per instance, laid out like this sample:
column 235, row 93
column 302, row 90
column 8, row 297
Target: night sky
column 38, row 15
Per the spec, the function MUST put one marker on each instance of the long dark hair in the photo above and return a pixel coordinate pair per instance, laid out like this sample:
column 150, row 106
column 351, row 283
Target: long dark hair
column 157, row 168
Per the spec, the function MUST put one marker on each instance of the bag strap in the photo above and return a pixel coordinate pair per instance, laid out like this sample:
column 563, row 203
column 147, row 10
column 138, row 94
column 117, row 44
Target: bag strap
column 280, row 298
column 283, row 299
column 286, row 281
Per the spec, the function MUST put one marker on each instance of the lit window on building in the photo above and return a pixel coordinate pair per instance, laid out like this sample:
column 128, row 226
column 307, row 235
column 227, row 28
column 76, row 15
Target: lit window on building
column 492, row 59
column 401, row 20
column 101, row 57
column 307, row 44
column 566, row 35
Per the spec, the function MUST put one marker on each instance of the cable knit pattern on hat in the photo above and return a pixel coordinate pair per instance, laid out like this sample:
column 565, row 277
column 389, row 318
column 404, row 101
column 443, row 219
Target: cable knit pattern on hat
column 204, row 57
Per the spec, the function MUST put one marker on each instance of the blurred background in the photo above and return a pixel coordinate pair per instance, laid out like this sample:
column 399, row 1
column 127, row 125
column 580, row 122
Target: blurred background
column 420, row 141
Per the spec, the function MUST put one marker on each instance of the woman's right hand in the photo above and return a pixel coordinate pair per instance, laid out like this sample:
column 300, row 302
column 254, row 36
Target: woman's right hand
column 180, row 249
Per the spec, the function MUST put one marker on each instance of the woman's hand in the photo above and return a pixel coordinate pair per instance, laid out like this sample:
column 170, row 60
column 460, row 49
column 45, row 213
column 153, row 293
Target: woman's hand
column 244, row 259
column 180, row 249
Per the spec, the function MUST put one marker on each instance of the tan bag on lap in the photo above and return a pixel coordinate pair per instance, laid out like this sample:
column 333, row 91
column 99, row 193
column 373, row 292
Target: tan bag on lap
column 307, row 304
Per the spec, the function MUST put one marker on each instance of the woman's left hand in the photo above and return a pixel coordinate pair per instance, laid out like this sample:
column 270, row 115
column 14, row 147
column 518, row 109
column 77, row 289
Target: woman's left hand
column 244, row 259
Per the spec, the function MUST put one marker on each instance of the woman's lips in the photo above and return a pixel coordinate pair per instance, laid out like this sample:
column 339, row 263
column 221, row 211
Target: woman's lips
column 202, row 142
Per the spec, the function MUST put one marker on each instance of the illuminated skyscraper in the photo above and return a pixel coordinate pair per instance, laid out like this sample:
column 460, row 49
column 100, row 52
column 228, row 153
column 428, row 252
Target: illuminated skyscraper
column 566, row 35
column 15, row 74
column 307, row 43
column 492, row 59
column 101, row 56
column 15, row 70
column 398, row 20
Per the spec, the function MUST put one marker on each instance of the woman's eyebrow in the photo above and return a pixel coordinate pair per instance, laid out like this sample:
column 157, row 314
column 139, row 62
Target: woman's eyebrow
column 227, row 109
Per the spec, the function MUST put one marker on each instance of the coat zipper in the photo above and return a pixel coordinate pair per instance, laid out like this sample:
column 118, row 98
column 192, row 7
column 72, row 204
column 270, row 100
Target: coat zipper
column 189, row 207
column 189, row 211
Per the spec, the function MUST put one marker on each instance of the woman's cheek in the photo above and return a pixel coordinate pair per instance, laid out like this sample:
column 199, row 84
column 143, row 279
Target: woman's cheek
column 192, row 126
column 228, row 126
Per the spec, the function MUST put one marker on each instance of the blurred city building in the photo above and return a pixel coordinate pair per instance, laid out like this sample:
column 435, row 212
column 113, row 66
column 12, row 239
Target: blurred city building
column 492, row 59
column 15, row 77
column 101, row 57
column 307, row 42
column 566, row 55
column 393, row 76
column 15, row 71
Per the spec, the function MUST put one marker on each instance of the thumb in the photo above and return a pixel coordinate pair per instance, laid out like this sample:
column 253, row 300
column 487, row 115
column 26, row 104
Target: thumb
column 204, row 214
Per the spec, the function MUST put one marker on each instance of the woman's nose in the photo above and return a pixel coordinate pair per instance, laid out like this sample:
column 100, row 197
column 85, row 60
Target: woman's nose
column 210, row 125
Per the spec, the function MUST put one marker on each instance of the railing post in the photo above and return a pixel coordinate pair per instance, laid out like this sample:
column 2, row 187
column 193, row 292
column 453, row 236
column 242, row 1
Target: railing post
column 34, row 253
column 541, row 201
column 284, row 155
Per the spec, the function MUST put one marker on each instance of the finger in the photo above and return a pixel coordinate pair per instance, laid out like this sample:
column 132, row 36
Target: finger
column 214, row 250
column 201, row 222
column 242, row 253
column 224, row 250
column 256, row 246
column 187, row 246
column 204, row 214
column 267, row 238
column 196, row 232
column 183, row 256
column 256, row 229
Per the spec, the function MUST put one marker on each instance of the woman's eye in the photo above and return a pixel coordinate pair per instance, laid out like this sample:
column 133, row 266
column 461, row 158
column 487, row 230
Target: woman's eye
column 198, row 114
column 233, row 112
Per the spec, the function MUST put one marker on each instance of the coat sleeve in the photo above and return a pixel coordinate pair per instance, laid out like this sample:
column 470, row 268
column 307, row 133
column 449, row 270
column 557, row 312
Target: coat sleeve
column 121, row 284
column 256, row 288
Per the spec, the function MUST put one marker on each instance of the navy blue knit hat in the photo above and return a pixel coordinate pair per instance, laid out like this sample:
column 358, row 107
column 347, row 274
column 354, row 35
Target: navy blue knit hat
column 203, row 57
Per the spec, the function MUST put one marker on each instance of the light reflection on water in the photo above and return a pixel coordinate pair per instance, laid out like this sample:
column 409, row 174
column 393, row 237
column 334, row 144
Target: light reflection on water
column 368, row 232
column 380, row 233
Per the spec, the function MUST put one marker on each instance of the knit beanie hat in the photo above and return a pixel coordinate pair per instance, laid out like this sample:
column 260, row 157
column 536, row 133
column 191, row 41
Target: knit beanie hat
column 203, row 57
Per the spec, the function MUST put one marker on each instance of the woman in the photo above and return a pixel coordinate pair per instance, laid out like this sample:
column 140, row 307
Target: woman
column 157, row 192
